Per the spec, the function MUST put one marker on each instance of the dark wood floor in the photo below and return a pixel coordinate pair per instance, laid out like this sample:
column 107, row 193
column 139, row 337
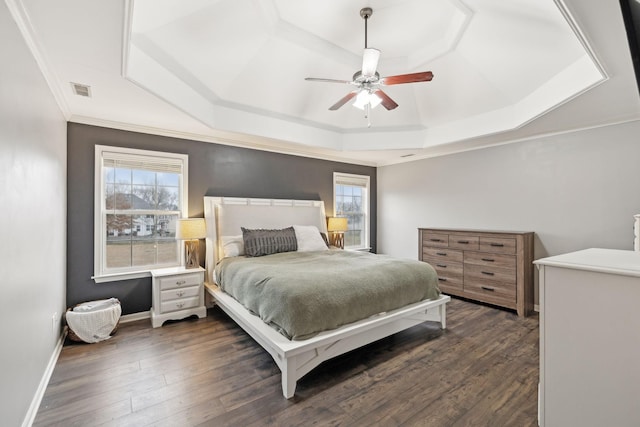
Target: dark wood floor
column 481, row 371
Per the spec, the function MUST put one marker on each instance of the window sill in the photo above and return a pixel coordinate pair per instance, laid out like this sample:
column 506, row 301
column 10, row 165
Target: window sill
column 115, row 277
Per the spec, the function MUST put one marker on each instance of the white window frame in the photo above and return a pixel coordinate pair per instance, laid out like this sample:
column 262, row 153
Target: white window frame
column 101, row 273
column 358, row 181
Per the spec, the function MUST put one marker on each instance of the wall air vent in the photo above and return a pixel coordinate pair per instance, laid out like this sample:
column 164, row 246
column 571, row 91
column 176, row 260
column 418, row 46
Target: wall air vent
column 81, row 90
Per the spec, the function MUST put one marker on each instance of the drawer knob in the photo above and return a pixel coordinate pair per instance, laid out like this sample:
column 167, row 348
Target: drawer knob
column 463, row 242
column 441, row 265
column 441, row 253
column 488, row 288
column 180, row 293
column 497, row 245
column 181, row 282
column 435, row 240
column 488, row 260
column 442, row 279
column 179, row 304
column 488, row 273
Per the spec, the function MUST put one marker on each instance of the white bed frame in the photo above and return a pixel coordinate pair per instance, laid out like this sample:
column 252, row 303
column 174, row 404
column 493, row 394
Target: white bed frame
column 224, row 216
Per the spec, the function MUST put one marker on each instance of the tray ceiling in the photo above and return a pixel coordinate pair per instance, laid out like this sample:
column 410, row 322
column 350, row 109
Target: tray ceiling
column 233, row 70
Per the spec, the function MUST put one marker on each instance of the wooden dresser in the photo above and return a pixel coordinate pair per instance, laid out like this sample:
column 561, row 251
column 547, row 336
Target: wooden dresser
column 489, row 266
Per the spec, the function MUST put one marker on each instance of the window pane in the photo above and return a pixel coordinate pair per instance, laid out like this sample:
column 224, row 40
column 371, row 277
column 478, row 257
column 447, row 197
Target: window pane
column 141, row 240
column 123, row 176
column 143, row 177
column 144, row 197
column 168, row 198
column 168, row 179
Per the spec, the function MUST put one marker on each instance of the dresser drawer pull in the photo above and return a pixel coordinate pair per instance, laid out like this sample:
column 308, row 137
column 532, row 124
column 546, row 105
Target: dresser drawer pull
column 180, row 293
column 497, row 245
column 463, row 242
column 488, row 273
column 441, row 253
column 488, row 260
column 181, row 282
column 487, row 288
column 179, row 304
column 442, row 279
column 436, row 240
column 441, row 265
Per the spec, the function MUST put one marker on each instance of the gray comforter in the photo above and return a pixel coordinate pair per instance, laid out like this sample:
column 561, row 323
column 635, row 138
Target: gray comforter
column 303, row 293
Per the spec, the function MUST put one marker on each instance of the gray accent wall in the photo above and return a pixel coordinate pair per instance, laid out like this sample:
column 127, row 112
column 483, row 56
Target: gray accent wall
column 33, row 217
column 214, row 170
column 575, row 191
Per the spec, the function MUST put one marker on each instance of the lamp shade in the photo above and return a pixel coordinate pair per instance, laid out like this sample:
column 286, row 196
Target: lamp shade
column 337, row 224
column 191, row 228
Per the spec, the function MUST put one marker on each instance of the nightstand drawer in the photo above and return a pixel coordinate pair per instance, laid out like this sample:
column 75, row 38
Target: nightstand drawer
column 171, row 294
column 179, row 304
column 181, row 281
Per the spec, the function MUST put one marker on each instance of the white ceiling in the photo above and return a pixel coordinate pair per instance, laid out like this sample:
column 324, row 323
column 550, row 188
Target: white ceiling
column 232, row 71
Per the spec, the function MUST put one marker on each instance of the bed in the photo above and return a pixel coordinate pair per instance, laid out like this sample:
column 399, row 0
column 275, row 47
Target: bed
column 225, row 216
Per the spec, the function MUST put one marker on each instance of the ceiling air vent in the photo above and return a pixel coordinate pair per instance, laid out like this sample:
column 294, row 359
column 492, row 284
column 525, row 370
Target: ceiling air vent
column 81, row 90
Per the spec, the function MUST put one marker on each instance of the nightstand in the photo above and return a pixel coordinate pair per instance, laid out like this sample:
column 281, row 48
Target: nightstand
column 177, row 293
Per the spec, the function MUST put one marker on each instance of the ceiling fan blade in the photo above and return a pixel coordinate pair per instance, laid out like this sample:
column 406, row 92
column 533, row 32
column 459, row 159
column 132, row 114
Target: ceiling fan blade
column 387, row 102
column 344, row 100
column 313, row 79
column 423, row 76
column 370, row 59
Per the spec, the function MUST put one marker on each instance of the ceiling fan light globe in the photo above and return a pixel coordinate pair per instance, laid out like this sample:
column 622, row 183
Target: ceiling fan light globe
column 364, row 98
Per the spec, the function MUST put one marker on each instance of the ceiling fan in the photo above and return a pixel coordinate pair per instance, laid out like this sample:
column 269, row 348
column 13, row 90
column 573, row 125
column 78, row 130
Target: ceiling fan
column 368, row 81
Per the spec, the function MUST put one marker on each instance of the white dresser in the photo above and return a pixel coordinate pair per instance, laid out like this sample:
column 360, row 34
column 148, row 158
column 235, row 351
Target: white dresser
column 177, row 293
column 590, row 339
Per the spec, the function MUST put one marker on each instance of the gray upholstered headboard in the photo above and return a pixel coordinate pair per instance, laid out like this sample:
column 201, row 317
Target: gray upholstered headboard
column 225, row 215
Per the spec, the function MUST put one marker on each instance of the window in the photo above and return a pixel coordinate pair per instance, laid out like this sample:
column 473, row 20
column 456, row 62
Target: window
column 139, row 196
column 351, row 200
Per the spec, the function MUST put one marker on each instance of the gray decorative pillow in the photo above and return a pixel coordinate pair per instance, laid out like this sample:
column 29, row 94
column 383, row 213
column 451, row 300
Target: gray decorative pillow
column 261, row 242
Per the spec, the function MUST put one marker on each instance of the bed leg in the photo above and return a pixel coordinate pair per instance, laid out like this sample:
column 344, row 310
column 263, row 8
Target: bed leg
column 288, row 378
column 443, row 316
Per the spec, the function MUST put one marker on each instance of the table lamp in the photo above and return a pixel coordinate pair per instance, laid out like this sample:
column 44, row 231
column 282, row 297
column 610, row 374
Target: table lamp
column 337, row 227
column 191, row 230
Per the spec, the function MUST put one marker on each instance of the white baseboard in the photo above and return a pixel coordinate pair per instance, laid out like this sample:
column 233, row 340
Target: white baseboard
column 135, row 316
column 44, row 382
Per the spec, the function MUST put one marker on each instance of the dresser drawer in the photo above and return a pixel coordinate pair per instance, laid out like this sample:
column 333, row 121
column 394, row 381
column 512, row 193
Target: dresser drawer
column 182, row 281
column 438, row 240
column 445, row 266
column 490, row 260
column 496, row 274
column 441, row 254
column 498, row 245
column 182, row 292
column 503, row 294
column 179, row 304
column 450, row 284
column 464, row 242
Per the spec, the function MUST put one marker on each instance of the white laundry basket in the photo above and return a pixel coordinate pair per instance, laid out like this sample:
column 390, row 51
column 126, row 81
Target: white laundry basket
column 93, row 321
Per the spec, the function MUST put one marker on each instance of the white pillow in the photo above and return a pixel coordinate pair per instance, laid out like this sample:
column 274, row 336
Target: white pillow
column 309, row 238
column 232, row 246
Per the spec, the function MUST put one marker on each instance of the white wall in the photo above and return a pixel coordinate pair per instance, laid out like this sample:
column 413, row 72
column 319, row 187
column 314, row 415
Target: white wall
column 32, row 223
column 575, row 191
